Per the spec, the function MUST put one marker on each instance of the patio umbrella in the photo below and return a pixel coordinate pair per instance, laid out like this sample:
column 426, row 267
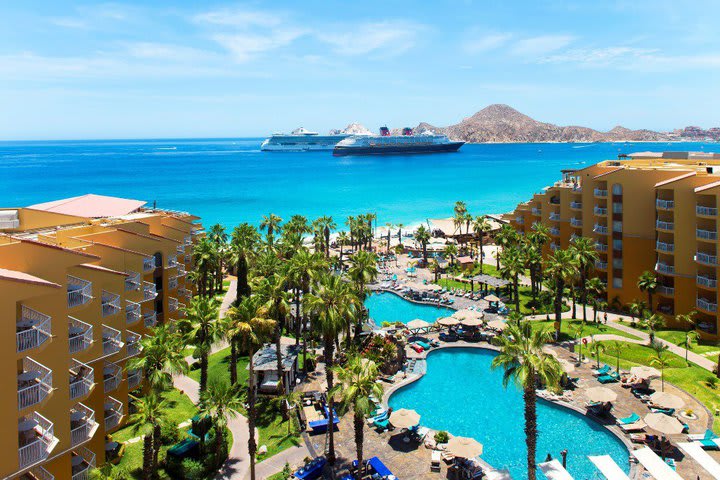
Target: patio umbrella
column 567, row 366
column 417, row 324
column 667, row 400
column 448, row 321
column 465, row 314
column 464, row 447
column 472, row 322
column 644, row 372
column 497, row 324
column 491, row 298
column 664, row 423
column 601, row 394
column 404, row 418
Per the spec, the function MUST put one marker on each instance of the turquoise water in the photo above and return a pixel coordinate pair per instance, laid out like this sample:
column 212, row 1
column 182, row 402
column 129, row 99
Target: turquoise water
column 461, row 394
column 388, row 307
column 231, row 180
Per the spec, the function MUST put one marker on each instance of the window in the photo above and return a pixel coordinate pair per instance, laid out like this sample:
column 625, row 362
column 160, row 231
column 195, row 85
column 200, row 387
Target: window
column 617, row 226
column 617, row 244
column 617, row 189
column 617, row 282
column 618, row 263
column 617, row 207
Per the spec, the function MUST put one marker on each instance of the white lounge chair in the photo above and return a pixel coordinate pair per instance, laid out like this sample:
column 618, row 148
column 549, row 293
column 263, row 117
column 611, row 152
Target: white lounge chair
column 608, row 467
column 633, row 427
column 554, row 470
column 695, row 450
column 435, row 461
column 655, row 465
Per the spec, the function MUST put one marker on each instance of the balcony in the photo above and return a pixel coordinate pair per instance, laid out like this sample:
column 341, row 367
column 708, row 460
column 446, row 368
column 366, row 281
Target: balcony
column 133, row 343
column 664, row 204
column 598, row 192
column 149, row 291
column 576, row 222
column 706, row 258
column 111, row 303
column 34, row 383
column 79, row 291
column 602, row 229
column 574, row 236
column 187, row 241
column 112, row 340
column 80, row 335
column 554, row 216
column 38, row 473
column 599, row 210
column 82, row 463
column 576, row 205
column 601, row 265
column 184, row 293
column 705, row 234
column 112, row 376
column 520, row 220
column 180, row 249
column 113, row 412
column 148, row 264
column 134, row 379
column 707, row 305
column 82, row 424
column 181, row 310
column 554, row 246
column 554, row 201
column 150, row 319
column 665, row 290
column 665, row 247
column 181, row 270
column 36, row 439
column 536, row 211
column 82, row 379
column 33, row 329
column 665, row 268
column 132, row 281
column 132, row 312
column 601, row 247
column 706, row 211
column 172, row 283
column 172, row 261
column 661, row 225
column 706, row 281
column 172, row 304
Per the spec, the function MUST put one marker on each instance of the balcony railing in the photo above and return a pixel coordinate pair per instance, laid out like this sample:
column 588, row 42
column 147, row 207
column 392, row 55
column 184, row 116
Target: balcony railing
column 520, row 220
column 665, row 247
column 706, row 258
column 150, row 319
column 133, row 343
column 82, row 467
column 172, row 261
column 181, row 270
column 601, row 247
column 660, row 225
column 554, row 246
column 706, row 305
column 555, row 216
column 665, row 268
column 180, row 249
column 132, row 281
column 574, row 236
column 576, row 222
column 601, row 265
column 33, row 329
column 600, row 229
column 79, row 291
column 148, row 264
column 535, row 211
column 706, row 234
column 37, row 439
column 576, row 205
column 34, row 383
column 172, row 304
column 664, row 204
column 82, row 424
column 187, row 241
column 598, row 192
column 665, row 290
column 134, row 379
column 113, row 412
column 149, row 291
column 80, row 335
column 132, row 312
column 82, row 379
column 706, row 281
column 172, row 283
column 112, row 340
column 600, row 210
column 184, row 293
column 554, row 201
column 111, row 303
column 39, row 473
column 112, row 376
column 706, row 211
column 181, row 310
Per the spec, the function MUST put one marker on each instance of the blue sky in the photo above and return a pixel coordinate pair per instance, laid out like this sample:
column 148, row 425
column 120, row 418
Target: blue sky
column 192, row 69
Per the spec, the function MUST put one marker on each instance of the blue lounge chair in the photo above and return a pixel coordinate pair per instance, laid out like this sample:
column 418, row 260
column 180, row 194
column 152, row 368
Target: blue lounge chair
column 611, row 378
column 379, row 467
column 424, row 345
column 666, row 411
column 634, row 417
column 601, row 371
column 382, row 425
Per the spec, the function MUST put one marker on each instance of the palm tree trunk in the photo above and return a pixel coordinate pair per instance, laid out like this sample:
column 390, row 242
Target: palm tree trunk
column 233, row 361
column 278, row 355
column 559, row 287
column 517, row 294
column 329, row 353
column 219, row 460
column 530, row 427
column 358, row 423
column 298, row 317
column 650, row 304
column 583, row 294
column 203, row 370
column 148, row 455
column 481, row 253
column 242, row 286
column 252, row 446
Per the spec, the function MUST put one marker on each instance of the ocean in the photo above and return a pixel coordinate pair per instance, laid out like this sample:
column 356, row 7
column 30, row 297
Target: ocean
column 230, row 181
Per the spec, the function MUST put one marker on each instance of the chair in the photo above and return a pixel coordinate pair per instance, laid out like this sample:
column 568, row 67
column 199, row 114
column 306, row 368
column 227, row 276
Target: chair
column 633, row 427
column 708, row 435
column 435, row 461
column 611, row 378
column 601, row 371
column 634, row 417
column 666, row 411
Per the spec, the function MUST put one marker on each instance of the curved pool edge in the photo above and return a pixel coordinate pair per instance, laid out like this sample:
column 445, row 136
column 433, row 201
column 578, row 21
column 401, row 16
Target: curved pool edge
column 375, row 288
column 614, row 429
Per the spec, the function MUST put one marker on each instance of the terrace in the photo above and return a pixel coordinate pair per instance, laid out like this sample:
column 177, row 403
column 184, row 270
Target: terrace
column 111, row 303
column 82, row 424
column 112, row 340
column 82, row 463
column 150, row 319
column 79, row 291
column 34, row 383
column 36, row 439
column 82, row 379
column 149, row 264
column 33, row 329
column 133, row 343
column 133, row 312
column 133, row 281
column 80, row 335
column 113, row 412
column 149, row 291
column 112, row 376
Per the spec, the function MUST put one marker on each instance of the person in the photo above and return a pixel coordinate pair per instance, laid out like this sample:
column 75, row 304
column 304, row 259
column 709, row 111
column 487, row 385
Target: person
column 605, row 318
column 563, row 454
column 548, row 458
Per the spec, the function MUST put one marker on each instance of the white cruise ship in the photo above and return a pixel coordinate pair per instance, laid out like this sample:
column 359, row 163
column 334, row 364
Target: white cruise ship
column 405, row 144
column 301, row 140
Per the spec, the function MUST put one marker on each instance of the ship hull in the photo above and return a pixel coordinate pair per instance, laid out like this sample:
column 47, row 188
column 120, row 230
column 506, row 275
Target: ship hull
column 341, row 151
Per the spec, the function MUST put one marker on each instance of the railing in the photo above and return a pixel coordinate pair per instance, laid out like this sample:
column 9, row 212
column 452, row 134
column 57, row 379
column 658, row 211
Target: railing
column 172, row 304
column 84, row 468
column 82, row 424
column 665, row 290
column 180, row 249
column 82, row 379
column 172, row 261
column 184, row 293
column 599, row 192
column 706, row 281
column 34, row 328
column 111, row 303
column 181, row 310
column 660, row 225
column 188, row 241
column 150, row 319
column 34, row 383
column 80, row 335
column 79, row 291
column 132, row 312
column 133, row 343
column 574, row 236
column 665, row 268
column 706, row 258
column 601, row 265
column 39, row 473
column 665, row 247
column 132, row 281
column 149, row 291
column 39, row 448
column 149, row 264
column 113, row 412
column 665, row 204
column 520, row 220
column 535, row 211
column 705, row 234
column 181, row 270
column 134, row 379
column 112, row 376
column 576, row 205
column 600, row 210
column 600, row 229
column 112, row 340
column 554, row 201
column 601, row 247
column 706, row 211
column 706, row 305
column 576, row 222
column 554, row 246
column 172, row 283
column 554, row 216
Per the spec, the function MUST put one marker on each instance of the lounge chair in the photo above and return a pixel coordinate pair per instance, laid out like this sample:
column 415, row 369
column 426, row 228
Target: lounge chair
column 379, row 467
column 601, row 371
column 634, row 417
column 707, row 441
column 633, row 427
column 611, row 378
column 708, row 435
column 435, row 461
column 424, row 345
column 666, row 411
column 378, row 418
column 382, row 425
column 448, row 337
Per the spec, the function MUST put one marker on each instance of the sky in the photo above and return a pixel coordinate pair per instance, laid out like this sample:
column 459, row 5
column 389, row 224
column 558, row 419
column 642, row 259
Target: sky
column 87, row 70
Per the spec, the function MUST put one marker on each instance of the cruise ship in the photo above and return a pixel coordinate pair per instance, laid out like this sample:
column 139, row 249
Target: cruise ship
column 406, row 144
column 301, row 140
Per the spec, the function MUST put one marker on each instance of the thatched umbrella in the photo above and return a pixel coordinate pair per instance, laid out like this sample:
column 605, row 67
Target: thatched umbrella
column 464, row 447
column 417, row 324
column 601, row 394
column 497, row 325
column 466, row 314
column 471, row 322
column 645, row 373
column 404, row 418
column 492, row 298
column 448, row 321
column 666, row 400
column 664, row 424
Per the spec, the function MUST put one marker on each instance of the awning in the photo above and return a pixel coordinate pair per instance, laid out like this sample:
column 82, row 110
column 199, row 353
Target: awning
column 695, row 450
column 608, row 467
column 655, row 464
column 554, row 470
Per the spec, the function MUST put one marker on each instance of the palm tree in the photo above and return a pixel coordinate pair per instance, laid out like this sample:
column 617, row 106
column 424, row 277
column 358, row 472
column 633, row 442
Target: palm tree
column 162, row 357
column 218, row 237
column 205, row 259
column 505, row 238
column 234, row 327
column 481, row 226
column 637, row 309
column 422, row 235
column 525, row 362
column 244, row 241
column 691, row 336
column 595, row 288
column 356, row 386
column 577, row 332
column 653, row 323
column 326, row 225
column 273, row 292
column 533, row 260
column 660, row 360
column 304, row 268
column 598, row 348
column 221, row 402
column 512, row 267
column 201, row 328
column 451, row 251
column 389, row 227
column 342, row 240
column 271, row 223
column 559, row 268
column 150, row 410
column 334, row 304
column 363, row 270
column 647, row 282
column 584, row 255
column 460, row 210
column 616, row 347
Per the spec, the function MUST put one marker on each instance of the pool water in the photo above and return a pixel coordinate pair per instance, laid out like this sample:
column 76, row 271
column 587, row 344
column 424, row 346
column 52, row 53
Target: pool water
column 461, row 394
column 388, row 307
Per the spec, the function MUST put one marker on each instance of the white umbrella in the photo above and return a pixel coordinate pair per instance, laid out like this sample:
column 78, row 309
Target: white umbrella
column 467, row 314
column 664, row 423
column 492, row 298
column 471, row 322
column 417, row 324
column 448, row 321
column 644, row 372
column 497, row 324
column 464, row 447
column 666, row 400
column 601, row 394
column 404, row 418
column 566, row 366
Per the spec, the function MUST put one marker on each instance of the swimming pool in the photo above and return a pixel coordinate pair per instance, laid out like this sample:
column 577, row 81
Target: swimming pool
column 388, row 307
column 461, row 394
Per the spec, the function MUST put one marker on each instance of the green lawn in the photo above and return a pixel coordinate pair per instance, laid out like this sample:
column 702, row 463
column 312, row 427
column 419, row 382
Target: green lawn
column 676, row 336
column 567, row 328
column 218, row 364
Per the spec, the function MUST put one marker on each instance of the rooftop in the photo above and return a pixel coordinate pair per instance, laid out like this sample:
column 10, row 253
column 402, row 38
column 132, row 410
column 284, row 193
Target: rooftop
column 265, row 359
column 91, row 206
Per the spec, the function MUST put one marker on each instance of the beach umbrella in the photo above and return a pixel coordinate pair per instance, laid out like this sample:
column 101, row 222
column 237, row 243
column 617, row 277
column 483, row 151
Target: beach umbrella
column 404, row 418
column 417, row 324
column 566, row 366
column 666, row 400
column 601, row 394
column 497, row 324
column 491, row 298
column 644, row 372
column 466, row 314
column 664, row 423
column 471, row 322
column 448, row 321
column 464, row 447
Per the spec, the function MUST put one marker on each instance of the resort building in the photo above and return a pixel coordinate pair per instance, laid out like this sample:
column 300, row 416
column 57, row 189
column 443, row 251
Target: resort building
column 649, row 211
column 82, row 280
column 267, row 377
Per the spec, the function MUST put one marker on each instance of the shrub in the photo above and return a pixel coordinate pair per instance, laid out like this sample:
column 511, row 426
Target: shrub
column 442, row 437
column 712, row 382
column 169, row 433
column 193, row 470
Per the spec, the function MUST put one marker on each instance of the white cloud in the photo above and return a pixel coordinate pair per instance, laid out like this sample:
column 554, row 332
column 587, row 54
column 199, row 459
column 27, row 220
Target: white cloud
column 68, row 22
column 487, row 42
column 245, row 46
column 240, row 18
column 541, row 45
column 390, row 38
column 597, row 56
column 632, row 58
column 165, row 51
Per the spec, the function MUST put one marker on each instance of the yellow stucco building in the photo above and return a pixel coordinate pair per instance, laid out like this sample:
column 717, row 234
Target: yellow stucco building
column 82, row 280
column 655, row 211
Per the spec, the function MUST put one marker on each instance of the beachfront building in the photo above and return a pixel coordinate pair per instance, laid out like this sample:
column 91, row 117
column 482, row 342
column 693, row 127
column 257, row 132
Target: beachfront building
column 265, row 371
column 649, row 211
column 82, row 280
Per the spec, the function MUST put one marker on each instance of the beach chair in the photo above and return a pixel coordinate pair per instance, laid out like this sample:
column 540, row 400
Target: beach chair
column 424, row 345
column 382, row 425
column 611, row 378
column 708, row 435
column 604, row 370
column 435, row 461
column 633, row 427
column 417, row 348
column 634, row 417
column 666, row 411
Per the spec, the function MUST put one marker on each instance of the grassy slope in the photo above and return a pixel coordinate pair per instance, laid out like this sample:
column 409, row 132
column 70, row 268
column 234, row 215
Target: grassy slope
column 567, row 328
column 675, row 336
